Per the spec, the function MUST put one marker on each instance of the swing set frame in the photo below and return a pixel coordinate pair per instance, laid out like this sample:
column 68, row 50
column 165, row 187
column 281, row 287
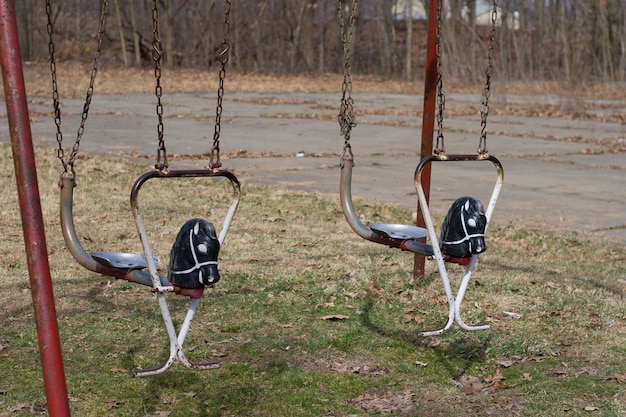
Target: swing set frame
column 30, row 203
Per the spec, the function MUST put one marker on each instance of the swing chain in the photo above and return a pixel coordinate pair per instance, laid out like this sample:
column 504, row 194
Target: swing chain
column 346, row 116
column 214, row 160
column 484, row 107
column 440, row 147
column 157, row 52
column 69, row 163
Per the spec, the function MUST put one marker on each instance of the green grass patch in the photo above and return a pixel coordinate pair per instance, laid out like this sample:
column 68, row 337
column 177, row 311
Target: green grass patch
column 309, row 319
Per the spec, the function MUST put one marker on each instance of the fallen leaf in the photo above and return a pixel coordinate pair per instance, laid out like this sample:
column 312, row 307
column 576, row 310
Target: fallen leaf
column 335, row 317
column 589, row 371
column 505, row 363
column 113, row 404
column 284, row 326
column 617, row 377
column 325, row 390
column 591, row 408
column 434, row 343
column 526, row 376
column 161, row 414
column 471, row 385
column 386, row 403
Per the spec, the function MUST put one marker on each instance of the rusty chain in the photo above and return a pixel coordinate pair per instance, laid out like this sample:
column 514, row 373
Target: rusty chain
column 346, row 116
column 441, row 99
column 69, row 163
column 214, row 161
column 484, row 106
column 157, row 54
column 440, row 147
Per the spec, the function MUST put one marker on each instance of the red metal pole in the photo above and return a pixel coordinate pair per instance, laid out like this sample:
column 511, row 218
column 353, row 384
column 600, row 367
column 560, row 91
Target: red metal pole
column 32, row 218
column 428, row 121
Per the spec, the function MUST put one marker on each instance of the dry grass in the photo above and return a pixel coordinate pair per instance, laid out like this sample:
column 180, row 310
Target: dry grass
column 120, row 80
column 289, row 260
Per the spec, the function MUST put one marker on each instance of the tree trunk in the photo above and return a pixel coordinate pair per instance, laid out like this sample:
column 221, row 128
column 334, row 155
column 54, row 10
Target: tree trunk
column 24, row 10
column 408, row 55
column 306, row 50
column 120, row 28
column 135, row 32
column 386, row 39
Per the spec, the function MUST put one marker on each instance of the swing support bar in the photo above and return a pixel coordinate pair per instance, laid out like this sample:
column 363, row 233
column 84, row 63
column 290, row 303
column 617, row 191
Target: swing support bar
column 454, row 302
column 32, row 218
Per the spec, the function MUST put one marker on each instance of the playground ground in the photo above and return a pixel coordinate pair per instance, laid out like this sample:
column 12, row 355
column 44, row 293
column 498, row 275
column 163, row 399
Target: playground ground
column 563, row 157
column 564, row 170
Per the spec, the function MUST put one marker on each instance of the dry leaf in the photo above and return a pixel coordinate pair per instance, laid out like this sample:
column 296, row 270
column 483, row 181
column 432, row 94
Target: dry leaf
column 505, row 363
column 589, row 371
column 335, row 317
column 617, row 377
column 471, row 385
column 386, row 403
column 113, row 404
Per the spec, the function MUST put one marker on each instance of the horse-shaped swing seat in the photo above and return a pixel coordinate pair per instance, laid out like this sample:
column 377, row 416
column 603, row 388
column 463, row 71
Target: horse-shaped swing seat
column 193, row 262
column 462, row 237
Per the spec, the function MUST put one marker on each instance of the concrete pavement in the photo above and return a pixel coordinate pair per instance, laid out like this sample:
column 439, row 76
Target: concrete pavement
column 559, row 172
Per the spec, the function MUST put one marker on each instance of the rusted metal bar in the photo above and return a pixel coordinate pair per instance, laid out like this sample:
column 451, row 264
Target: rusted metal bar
column 428, row 122
column 32, row 218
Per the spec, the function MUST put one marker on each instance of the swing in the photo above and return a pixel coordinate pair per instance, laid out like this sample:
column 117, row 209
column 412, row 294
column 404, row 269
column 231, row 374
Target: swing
column 194, row 255
column 465, row 225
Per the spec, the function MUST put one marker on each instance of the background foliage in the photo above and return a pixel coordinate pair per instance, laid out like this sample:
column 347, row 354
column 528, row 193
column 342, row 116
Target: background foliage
column 536, row 39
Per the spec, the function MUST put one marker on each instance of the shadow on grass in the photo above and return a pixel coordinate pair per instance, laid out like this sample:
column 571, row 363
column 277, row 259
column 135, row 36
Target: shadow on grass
column 458, row 350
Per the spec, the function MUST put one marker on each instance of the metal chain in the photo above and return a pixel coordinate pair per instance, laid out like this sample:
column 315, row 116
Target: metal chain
column 214, row 161
column 161, row 162
column 484, row 106
column 440, row 147
column 69, row 163
column 346, row 116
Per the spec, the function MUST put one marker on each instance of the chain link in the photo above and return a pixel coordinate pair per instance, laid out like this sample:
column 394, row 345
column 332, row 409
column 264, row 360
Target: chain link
column 346, row 117
column 68, row 165
column 440, row 147
column 214, row 161
column 157, row 53
column 484, row 106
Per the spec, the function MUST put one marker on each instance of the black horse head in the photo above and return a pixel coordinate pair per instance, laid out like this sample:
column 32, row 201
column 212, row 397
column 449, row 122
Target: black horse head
column 193, row 258
column 463, row 229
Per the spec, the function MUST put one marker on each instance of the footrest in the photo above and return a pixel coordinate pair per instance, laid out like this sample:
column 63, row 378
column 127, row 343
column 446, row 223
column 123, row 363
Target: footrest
column 122, row 261
column 398, row 231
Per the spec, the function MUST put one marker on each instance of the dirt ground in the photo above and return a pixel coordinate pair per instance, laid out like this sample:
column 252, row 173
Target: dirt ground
column 562, row 148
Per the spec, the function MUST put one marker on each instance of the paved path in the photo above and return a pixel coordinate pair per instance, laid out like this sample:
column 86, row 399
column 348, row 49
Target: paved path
column 553, row 181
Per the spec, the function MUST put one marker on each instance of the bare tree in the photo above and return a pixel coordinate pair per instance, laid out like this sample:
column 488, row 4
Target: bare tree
column 120, row 27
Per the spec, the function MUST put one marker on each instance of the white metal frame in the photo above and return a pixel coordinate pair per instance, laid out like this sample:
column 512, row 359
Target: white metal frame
column 177, row 340
column 432, row 249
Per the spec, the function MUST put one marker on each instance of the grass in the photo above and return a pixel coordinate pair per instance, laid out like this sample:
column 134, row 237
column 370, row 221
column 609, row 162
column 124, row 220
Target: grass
column 309, row 319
